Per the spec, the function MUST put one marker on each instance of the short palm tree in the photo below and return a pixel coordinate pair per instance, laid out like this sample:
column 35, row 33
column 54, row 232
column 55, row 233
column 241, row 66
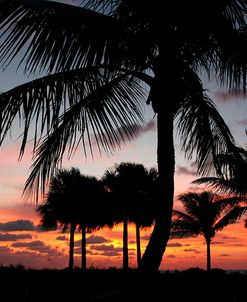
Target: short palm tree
column 76, row 200
column 95, row 61
column 133, row 191
column 205, row 214
column 58, row 209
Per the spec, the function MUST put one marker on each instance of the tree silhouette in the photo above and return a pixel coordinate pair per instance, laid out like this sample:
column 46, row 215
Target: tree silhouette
column 94, row 78
column 133, row 188
column 77, row 200
column 59, row 206
column 205, row 214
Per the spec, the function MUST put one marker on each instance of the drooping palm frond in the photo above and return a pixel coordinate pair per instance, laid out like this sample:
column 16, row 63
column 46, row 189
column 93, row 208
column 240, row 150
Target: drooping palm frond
column 53, row 35
column 201, row 128
column 181, row 216
column 48, row 102
column 42, row 101
column 104, row 118
column 184, row 229
column 221, row 185
column 233, row 167
column 231, row 217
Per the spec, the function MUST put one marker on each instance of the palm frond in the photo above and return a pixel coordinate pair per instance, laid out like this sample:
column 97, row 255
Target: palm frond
column 49, row 101
column 106, row 117
column 232, row 66
column 182, row 234
column 233, row 167
column 231, row 217
column 184, row 229
column 202, row 130
column 181, row 216
column 223, row 186
column 53, row 35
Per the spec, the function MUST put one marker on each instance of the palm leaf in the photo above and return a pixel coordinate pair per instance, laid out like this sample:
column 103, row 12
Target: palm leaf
column 55, row 36
column 106, row 117
column 233, row 167
column 231, row 217
column 50, row 99
column 184, row 229
column 201, row 128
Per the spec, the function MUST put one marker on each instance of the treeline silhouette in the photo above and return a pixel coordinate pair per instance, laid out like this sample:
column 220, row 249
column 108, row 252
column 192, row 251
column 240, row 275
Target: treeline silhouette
column 127, row 192
column 192, row 285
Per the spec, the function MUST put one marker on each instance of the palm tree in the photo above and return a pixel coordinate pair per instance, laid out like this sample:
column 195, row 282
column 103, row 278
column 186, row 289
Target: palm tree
column 205, row 214
column 133, row 189
column 96, row 214
column 94, row 77
column 76, row 200
column 58, row 209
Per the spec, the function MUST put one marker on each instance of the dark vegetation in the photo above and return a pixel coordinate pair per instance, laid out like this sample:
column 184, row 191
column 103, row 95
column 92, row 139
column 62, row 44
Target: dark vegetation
column 26, row 285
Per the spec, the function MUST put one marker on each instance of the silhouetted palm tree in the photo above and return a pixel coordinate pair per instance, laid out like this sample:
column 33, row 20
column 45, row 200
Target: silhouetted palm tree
column 59, row 209
column 94, row 57
column 134, row 191
column 76, row 200
column 205, row 214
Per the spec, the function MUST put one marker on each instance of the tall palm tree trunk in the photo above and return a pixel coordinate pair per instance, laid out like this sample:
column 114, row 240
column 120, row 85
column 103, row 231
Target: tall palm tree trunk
column 155, row 249
column 71, row 246
column 138, row 245
column 208, row 242
column 125, row 244
column 83, row 248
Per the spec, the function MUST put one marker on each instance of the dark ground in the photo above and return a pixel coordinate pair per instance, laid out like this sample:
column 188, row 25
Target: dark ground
column 193, row 285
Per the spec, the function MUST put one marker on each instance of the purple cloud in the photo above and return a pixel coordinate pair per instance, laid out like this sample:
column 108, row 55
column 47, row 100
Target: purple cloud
column 62, row 238
column 38, row 246
column 217, row 242
column 192, row 250
column 18, row 225
column 14, row 237
column 175, row 244
column 96, row 239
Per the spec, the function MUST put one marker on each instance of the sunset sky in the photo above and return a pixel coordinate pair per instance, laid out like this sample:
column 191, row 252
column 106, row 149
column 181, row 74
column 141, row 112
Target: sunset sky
column 22, row 242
